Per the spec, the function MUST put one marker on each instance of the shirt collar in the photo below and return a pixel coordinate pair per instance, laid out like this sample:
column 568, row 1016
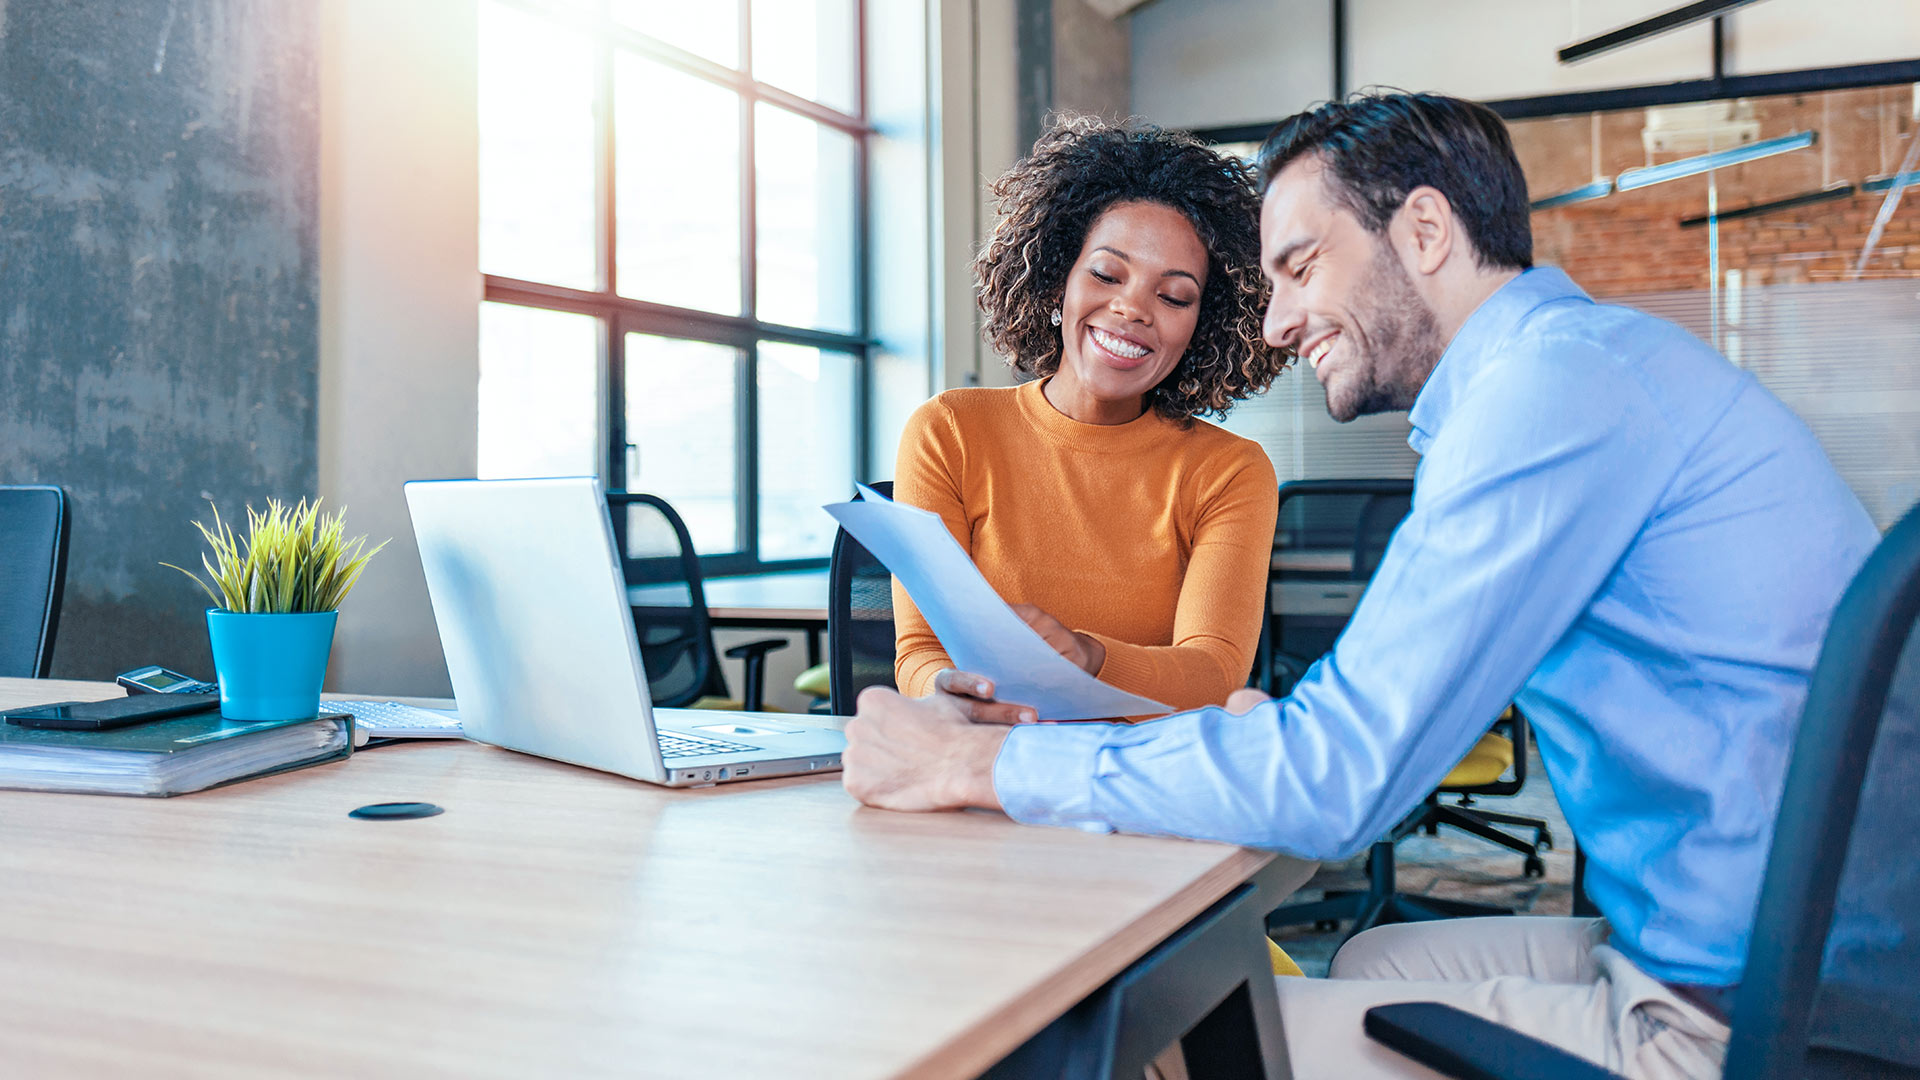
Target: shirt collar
column 1478, row 343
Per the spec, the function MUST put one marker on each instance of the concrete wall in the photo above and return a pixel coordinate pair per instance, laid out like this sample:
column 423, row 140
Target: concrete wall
column 1211, row 63
column 1091, row 61
column 400, row 296
column 158, row 293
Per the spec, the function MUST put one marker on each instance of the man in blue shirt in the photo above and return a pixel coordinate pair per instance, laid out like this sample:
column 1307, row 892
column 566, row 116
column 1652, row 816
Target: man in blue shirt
column 1612, row 526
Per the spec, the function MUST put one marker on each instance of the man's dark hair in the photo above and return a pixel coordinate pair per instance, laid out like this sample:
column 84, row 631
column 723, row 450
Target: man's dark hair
column 1378, row 147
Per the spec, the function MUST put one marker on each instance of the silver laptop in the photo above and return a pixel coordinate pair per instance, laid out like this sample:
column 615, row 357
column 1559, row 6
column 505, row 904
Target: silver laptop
column 532, row 608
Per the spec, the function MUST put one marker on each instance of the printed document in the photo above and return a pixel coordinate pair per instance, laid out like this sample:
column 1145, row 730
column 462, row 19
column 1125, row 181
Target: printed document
column 976, row 627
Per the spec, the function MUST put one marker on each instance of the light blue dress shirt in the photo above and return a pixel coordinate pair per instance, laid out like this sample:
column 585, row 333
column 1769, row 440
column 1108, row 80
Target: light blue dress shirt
column 1612, row 526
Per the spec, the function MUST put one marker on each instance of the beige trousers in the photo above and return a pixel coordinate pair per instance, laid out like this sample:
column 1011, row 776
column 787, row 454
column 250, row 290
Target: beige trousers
column 1553, row 978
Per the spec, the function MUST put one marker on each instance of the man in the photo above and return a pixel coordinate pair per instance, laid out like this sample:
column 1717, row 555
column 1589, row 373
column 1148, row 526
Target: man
column 1611, row 525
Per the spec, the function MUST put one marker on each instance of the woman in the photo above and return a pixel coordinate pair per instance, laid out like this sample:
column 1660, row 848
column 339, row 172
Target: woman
column 1123, row 279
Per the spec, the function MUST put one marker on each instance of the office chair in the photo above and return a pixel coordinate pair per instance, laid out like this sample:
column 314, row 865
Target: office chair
column 1829, row 987
column 33, row 576
column 859, row 620
column 1331, row 536
column 675, row 630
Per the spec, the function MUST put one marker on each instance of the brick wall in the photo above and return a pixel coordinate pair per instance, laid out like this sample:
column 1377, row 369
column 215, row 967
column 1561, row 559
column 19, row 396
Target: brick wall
column 1632, row 242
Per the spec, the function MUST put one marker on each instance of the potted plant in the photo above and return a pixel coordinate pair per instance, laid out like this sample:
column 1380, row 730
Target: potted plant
column 276, row 594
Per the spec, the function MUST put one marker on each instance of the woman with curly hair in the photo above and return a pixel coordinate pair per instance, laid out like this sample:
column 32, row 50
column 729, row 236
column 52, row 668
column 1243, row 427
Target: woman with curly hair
column 1122, row 279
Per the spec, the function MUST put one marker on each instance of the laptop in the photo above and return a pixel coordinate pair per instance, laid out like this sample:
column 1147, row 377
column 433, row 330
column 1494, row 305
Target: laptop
column 531, row 603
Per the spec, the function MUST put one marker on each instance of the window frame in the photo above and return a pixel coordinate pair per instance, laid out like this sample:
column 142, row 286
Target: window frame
column 618, row 316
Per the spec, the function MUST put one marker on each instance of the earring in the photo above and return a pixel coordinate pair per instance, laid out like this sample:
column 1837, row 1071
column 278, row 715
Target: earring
column 1055, row 317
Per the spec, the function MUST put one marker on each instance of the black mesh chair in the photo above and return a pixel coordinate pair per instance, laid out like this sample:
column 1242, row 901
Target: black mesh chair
column 670, row 617
column 1832, row 982
column 859, row 619
column 1328, row 544
column 33, row 574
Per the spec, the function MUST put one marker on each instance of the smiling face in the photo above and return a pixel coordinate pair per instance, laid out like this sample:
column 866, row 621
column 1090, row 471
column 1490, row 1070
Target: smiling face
column 1131, row 303
column 1342, row 299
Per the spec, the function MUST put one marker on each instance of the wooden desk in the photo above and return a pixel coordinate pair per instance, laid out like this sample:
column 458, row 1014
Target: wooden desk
column 557, row 921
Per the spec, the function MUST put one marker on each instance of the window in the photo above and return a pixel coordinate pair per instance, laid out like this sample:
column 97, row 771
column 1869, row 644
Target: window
column 673, row 204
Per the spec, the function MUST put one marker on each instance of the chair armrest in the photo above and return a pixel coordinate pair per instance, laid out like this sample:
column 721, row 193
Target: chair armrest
column 754, row 650
column 754, row 654
column 1462, row 1045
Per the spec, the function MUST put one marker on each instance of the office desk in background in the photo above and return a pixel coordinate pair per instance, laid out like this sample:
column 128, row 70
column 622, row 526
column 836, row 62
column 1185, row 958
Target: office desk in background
column 558, row 921
column 789, row 600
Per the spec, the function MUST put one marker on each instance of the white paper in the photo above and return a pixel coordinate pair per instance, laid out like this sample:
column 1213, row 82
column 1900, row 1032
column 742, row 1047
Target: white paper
column 976, row 627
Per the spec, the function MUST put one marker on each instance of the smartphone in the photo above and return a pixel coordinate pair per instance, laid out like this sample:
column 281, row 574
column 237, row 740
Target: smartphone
column 112, row 713
column 154, row 679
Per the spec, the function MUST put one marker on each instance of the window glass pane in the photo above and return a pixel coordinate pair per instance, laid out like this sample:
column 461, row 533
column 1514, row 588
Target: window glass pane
column 806, row 448
column 679, row 187
column 804, row 183
column 806, row 47
column 709, row 28
column 681, row 401
column 539, row 392
column 536, row 149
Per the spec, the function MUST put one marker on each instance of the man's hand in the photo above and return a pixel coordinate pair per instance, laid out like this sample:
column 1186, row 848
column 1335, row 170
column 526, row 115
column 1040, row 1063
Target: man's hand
column 920, row 753
column 1244, row 699
column 1083, row 649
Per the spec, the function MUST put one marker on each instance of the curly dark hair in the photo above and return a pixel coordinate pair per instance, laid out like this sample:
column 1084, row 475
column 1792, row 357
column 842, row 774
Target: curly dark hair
column 1049, row 200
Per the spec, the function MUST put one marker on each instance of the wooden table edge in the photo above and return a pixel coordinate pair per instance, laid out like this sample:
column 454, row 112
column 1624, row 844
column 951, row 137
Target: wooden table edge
column 975, row 1049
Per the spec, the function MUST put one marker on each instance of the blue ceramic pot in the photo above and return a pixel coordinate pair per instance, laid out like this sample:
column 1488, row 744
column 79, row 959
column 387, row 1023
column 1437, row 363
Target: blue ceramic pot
column 270, row 666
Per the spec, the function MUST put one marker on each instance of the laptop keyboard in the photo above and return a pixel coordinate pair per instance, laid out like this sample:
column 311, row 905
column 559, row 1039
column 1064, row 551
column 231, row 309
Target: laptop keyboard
column 682, row 746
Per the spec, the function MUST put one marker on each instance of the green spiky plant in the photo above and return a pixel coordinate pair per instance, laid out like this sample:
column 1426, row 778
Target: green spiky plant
column 293, row 559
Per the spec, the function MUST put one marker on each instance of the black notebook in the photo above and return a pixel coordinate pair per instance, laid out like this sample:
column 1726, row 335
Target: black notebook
column 166, row 757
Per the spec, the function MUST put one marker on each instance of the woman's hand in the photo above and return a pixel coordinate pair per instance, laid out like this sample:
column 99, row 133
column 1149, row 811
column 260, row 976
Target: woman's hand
column 1082, row 649
column 978, row 690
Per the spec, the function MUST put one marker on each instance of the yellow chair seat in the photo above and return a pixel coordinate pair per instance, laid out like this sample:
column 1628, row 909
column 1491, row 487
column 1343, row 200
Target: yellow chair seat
column 1282, row 963
column 1487, row 762
column 815, row 682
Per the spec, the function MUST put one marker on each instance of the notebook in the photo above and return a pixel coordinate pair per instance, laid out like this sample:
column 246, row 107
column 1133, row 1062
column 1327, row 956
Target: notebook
column 166, row 757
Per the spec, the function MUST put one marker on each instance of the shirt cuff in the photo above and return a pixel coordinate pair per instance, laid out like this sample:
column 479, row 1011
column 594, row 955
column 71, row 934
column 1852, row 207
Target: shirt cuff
column 1127, row 665
column 1044, row 774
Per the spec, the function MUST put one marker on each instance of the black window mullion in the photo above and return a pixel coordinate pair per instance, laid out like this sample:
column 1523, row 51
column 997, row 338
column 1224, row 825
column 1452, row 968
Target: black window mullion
column 608, row 209
column 747, row 383
column 614, row 347
column 862, row 253
column 613, row 342
column 747, row 465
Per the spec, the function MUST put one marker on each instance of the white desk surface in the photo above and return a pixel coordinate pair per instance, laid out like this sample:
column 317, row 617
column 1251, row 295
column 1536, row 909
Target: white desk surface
column 555, row 921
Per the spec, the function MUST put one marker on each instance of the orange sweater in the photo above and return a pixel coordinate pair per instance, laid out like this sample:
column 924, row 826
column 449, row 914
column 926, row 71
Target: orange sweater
column 1152, row 537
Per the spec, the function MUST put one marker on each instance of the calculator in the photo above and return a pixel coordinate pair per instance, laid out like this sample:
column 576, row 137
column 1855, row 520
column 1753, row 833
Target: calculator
column 158, row 680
